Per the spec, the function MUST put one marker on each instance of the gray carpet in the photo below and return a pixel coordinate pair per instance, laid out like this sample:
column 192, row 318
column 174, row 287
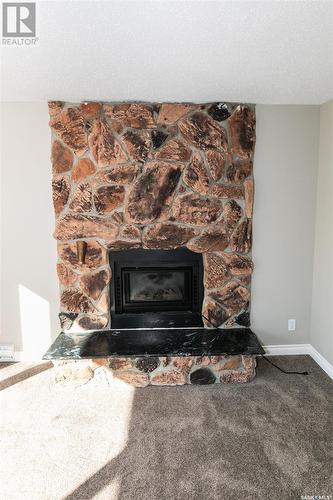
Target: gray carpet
column 270, row 439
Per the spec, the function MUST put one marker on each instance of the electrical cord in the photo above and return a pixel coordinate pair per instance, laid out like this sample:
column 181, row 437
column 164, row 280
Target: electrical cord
column 264, row 357
column 281, row 370
column 214, row 326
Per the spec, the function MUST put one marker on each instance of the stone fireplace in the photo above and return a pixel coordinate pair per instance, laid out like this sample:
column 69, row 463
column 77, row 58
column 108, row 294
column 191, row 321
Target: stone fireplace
column 131, row 180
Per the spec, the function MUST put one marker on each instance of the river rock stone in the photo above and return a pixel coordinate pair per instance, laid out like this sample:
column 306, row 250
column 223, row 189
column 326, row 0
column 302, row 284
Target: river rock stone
column 136, row 379
column 182, row 363
column 119, row 174
column 166, row 236
column 116, row 127
column 122, row 244
column 77, row 226
column 202, row 360
column 105, row 148
column 90, row 109
column 97, row 362
column 216, row 359
column 194, row 209
column 241, row 239
column 72, row 300
column 96, row 255
column 215, row 161
column 233, row 297
column 213, row 239
column 151, row 195
column 158, row 137
column 131, row 115
column 249, row 191
column 61, row 158
column 55, row 107
column 230, row 363
column 60, row 193
column 69, row 126
column 82, row 199
column 93, row 322
column 245, row 280
column 232, row 213
column 203, row 132
column 121, row 363
column 83, row 168
column 238, row 170
column 249, row 362
column 169, row 378
column 103, row 304
column 219, row 111
column 214, row 312
column 216, row 270
column 66, row 321
column 238, row 265
column 107, row 198
column 203, row 376
column 195, row 175
column 230, row 323
column 130, row 232
column 170, row 113
column 174, row 150
column 138, row 144
column 117, row 217
column 242, row 130
column 93, row 284
column 164, row 360
column 223, row 191
column 147, row 364
column 73, row 373
column 243, row 319
column 66, row 276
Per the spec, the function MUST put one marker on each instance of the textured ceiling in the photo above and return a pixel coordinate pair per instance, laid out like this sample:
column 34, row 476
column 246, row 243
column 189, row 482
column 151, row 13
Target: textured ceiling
column 261, row 52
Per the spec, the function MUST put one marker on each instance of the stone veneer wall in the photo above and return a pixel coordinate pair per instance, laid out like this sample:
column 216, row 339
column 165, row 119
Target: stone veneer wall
column 154, row 176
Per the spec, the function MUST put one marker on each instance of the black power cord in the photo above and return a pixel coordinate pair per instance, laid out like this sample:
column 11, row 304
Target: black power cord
column 281, row 370
column 264, row 357
column 214, row 326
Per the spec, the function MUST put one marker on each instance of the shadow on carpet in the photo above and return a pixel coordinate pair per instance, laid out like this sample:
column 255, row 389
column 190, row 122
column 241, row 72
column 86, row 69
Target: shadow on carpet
column 270, row 439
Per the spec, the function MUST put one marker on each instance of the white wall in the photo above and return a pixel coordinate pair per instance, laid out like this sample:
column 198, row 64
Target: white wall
column 29, row 283
column 285, row 169
column 285, row 175
column 322, row 299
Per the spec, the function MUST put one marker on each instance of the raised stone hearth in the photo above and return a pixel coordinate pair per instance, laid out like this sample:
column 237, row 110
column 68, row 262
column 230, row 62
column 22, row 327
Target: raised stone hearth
column 144, row 371
column 154, row 176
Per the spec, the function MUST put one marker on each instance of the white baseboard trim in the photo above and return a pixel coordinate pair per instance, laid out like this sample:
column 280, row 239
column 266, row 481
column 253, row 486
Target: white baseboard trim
column 287, row 349
column 271, row 350
column 294, row 349
column 321, row 361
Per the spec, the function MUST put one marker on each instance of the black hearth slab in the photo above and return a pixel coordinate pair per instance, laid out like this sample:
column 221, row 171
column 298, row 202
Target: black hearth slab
column 155, row 342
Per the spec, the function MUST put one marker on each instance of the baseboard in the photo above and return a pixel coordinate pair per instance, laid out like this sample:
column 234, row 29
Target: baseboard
column 321, row 361
column 22, row 356
column 287, row 349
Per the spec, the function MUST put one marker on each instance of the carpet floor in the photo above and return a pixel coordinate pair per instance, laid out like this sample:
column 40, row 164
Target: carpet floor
column 269, row 439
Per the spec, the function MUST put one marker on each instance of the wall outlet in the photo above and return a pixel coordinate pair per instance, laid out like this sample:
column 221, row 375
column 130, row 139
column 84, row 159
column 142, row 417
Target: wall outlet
column 291, row 325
